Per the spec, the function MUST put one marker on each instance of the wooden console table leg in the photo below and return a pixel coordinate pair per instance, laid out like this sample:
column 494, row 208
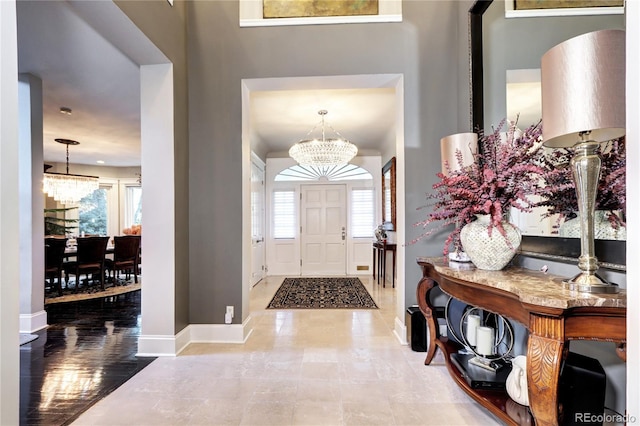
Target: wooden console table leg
column 545, row 354
column 393, row 271
column 422, row 292
column 374, row 261
column 383, row 262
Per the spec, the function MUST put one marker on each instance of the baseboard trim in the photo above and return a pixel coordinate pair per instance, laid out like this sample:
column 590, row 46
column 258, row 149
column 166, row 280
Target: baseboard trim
column 150, row 345
column 30, row 323
column 400, row 331
column 221, row 333
column 157, row 345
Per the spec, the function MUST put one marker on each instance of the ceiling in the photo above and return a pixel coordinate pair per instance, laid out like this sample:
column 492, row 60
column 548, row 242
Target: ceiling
column 83, row 71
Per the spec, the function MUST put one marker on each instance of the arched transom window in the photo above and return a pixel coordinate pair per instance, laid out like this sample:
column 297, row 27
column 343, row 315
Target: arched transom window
column 325, row 173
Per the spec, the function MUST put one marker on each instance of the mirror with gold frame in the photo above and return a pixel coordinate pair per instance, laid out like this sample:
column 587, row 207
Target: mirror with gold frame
column 389, row 194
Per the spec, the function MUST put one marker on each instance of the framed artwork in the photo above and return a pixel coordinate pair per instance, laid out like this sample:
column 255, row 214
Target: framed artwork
column 262, row 13
column 532, row 8
column 315, row 8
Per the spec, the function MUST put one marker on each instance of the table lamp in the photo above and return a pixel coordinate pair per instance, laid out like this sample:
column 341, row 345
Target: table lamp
column 583, row 104
column 467, row 145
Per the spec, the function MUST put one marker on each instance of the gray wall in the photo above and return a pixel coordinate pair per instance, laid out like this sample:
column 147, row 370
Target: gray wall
column 166, row 28
column 221, row 54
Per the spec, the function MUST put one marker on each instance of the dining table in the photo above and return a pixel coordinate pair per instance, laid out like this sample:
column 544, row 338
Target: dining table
column 72, row 251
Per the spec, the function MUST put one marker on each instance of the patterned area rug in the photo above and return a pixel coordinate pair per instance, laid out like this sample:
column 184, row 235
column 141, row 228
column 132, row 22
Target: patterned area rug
column 322, row 293
column 69, row 296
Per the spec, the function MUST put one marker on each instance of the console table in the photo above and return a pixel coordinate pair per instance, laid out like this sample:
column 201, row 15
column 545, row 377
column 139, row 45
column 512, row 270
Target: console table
column 380, row 249
column 553, row 315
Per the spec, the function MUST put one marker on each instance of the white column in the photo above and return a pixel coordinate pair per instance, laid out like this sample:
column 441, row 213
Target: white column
column 33, row 317
column 9, row 236
column 158, row 202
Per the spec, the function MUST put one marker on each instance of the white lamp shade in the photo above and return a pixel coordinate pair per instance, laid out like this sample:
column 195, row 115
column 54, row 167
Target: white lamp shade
column 466, row 143
column 583, row 89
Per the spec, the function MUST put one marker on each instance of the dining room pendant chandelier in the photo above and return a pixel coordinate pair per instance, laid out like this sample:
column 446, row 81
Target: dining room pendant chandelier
column 325, row 151
column 68, row 188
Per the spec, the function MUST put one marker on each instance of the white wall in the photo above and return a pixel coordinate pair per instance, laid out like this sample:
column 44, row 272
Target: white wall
column 9, row 236
column 32, row 314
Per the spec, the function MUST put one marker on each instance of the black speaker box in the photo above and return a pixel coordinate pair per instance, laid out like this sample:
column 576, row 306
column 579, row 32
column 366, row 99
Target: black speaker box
column 582, row 391
column 417, row 329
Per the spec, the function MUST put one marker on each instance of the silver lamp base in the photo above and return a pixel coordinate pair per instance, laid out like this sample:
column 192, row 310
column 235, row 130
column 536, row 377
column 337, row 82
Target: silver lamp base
column 590, row 283
column 586, row 173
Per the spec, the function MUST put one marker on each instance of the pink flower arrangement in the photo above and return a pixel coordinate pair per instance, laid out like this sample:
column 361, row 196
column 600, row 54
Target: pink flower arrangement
column 559, row 191
column 507, row 171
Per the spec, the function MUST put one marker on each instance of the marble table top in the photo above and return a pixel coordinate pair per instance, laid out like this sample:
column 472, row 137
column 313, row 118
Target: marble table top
column 533, row 287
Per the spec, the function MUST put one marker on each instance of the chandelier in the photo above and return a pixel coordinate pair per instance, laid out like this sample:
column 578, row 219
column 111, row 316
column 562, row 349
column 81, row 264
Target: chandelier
column 66, row 188
column 325, row 151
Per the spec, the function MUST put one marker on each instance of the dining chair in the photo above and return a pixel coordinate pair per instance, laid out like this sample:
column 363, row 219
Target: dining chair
column 126, row 255
column 53, row 261
column 90, row 259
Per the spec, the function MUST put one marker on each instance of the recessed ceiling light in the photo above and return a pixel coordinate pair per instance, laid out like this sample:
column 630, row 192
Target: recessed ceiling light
column 65, row 110
column 100, row 161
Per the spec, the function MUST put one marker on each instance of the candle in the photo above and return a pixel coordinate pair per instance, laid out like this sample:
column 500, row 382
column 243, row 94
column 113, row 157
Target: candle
column 473, row 322
column 484, row 337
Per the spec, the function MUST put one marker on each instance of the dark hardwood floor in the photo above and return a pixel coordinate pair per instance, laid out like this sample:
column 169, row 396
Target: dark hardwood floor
column 87, row 351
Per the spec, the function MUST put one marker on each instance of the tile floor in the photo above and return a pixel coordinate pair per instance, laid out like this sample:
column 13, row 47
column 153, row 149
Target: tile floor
column 299, row 367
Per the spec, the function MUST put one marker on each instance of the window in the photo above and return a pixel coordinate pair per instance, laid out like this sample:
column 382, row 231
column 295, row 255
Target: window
column 284, row 214
column 362, row 213
column 132, row 206
column 92, row 213
column 330, row 173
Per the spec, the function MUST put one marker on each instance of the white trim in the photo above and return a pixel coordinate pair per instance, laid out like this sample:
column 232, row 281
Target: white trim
column 251, row 16
column 400, row 331
column 124, row 216
column 30, row 323
column 163, row 345
column 158, row 345
column 220, row 333
column 401, row 287
column 113, row 208
column 257, row 160
column 195, row 333
column 511, row 12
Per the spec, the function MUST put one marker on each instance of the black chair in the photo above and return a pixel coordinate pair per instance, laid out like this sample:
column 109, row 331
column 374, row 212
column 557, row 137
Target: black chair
column 53, row 261
column 89, row 260
column 126, row 257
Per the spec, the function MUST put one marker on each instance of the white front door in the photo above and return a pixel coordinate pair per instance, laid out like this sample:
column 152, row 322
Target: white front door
column 323, row 220
column 257, row 223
